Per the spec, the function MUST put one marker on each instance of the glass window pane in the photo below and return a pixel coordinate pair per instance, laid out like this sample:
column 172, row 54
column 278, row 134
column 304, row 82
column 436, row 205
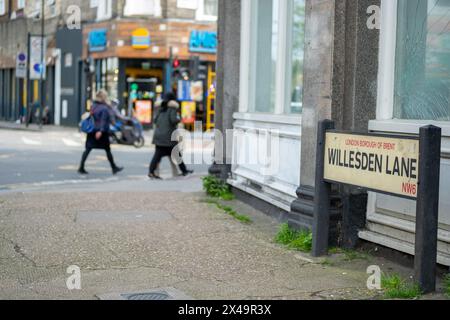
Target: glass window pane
column 211, row 7
column 265, row 54
column 112, row 78
column 422, row 89
column 298, row 52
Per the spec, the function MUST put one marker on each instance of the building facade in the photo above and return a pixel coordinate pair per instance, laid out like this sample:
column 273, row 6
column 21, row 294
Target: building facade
column 378, row 66
column 19, row 20
column 161, row 44
column 138, row 50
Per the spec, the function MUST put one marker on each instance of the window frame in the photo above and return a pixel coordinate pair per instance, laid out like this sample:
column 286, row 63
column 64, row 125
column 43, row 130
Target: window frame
column 200, row 12
column 283, row 72
column 107, row 6
column 385, row 120
column 3, row 10
column 21, row 4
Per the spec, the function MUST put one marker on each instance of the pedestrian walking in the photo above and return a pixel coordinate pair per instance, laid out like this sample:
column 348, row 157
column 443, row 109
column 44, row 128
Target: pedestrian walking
column 166, row 122
column 99, row 137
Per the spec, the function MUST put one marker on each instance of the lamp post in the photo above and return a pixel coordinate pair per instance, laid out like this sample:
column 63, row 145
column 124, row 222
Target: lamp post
column 43, row 63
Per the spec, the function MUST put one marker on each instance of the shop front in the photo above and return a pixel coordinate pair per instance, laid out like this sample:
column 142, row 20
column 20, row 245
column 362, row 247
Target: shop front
column 137, row 62
column 413, row 90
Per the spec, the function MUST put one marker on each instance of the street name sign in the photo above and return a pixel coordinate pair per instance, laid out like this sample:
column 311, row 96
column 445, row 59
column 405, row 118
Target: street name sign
column 379, row 163
column 396, row 165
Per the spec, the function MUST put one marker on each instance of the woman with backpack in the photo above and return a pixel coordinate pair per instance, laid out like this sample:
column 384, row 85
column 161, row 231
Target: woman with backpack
column 98, row 137
column 166, row 123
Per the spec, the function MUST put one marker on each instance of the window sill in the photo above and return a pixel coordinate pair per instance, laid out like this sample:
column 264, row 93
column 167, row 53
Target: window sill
column 270, row 118
column 407, row 126
column 206, row 18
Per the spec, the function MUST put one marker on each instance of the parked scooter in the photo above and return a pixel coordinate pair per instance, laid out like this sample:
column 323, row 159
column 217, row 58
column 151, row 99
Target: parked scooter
column 126, row 131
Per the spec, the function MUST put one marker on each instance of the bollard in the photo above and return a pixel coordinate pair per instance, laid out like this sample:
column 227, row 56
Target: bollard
column 428, row 208
column 321, row 221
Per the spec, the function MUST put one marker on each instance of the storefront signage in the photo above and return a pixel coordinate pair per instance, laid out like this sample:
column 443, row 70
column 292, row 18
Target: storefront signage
column 140, row 39
column 143, row 109
column 98, row 40
column 203, row 41
column 378, row 163
column 188, row 112
column 21, row 65
column 37, row 64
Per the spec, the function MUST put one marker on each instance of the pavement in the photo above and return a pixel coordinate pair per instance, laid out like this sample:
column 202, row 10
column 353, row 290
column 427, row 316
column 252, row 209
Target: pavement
column 130, row 234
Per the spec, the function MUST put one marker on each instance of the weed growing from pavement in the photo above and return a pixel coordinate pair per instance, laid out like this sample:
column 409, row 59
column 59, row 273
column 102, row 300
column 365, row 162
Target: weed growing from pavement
column 217, row 188
column 229, row 210
column 395, row 287
column 296, row 240
column 447, row 285
column 327, row 263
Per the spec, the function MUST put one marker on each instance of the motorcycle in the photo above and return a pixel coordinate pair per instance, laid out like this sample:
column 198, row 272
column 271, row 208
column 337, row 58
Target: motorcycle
column 128, row 132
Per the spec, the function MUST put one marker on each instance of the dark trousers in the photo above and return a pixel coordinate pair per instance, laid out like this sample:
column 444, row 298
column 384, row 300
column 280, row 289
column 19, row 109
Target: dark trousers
column 88, row 151
column 160, row 153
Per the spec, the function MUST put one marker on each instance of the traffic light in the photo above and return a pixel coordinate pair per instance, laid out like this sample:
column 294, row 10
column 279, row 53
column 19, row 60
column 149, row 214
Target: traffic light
column 194, row 65
column 176, row 63
column 89, row 66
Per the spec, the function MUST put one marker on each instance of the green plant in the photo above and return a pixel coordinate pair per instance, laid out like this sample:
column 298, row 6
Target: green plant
column 229, row 210
column 328, row 263
column 350, row 255
column 296, row 240
column 217, row 188
column 395, row 287
column 447, row 285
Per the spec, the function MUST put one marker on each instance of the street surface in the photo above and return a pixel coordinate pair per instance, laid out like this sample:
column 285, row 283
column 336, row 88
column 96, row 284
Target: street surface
column 129, row 234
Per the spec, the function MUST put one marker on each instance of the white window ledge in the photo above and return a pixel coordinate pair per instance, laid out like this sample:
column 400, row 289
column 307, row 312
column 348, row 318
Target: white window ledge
column 407, row 126
column 270, row 118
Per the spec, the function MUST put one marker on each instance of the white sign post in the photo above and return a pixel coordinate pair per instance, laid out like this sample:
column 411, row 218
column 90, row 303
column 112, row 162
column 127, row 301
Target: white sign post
column 37, row 62
column 21, row 65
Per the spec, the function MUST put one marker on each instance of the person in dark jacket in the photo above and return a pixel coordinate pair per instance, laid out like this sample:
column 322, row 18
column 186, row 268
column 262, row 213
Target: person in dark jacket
column 166, row 123
column 99, row 138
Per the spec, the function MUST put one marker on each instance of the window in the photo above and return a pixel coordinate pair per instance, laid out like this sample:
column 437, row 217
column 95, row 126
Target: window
column 211, row 7
column 142, row 8
column 422, row 75
column 298, row 52
column 20, row 4
column 187, row 4
column 207, row 10
column 2, row 7
column 265, row 48
column 276, row 53
column 104, row 9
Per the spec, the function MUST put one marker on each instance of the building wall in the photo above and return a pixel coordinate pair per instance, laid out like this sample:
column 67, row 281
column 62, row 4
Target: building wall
column 390, row 220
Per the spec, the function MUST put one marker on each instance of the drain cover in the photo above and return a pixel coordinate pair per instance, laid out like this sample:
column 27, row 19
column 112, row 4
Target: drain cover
column 150, row 296
column 161, row 294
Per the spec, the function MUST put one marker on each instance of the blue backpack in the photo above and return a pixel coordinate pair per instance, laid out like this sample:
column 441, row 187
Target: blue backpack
column 87, row 125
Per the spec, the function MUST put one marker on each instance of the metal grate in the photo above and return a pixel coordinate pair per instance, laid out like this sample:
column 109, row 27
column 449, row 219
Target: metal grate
column 150, row 296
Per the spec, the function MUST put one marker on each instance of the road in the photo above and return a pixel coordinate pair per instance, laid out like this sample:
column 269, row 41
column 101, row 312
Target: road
column 52, row 158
